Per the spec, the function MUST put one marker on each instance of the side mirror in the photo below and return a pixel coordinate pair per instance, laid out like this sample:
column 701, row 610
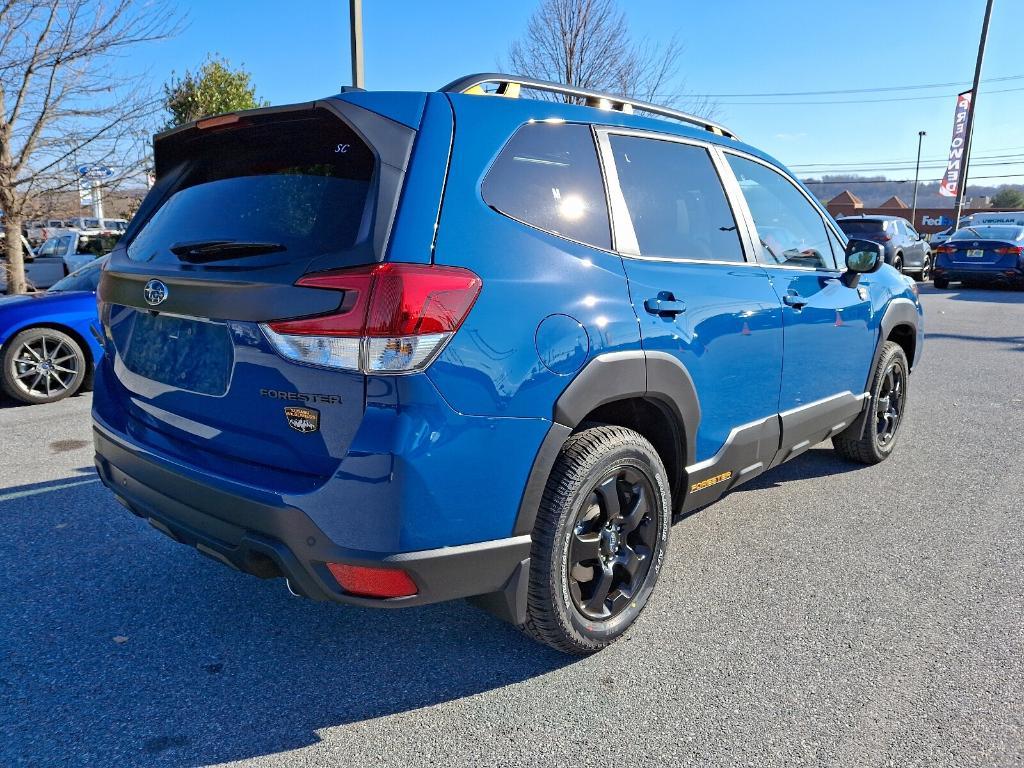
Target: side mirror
column 862, row 257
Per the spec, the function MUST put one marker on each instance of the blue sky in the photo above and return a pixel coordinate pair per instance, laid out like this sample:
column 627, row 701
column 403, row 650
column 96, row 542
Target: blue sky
column 300, row 51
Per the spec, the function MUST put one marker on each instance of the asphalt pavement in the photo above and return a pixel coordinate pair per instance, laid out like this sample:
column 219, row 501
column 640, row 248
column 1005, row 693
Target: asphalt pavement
column 825, row 614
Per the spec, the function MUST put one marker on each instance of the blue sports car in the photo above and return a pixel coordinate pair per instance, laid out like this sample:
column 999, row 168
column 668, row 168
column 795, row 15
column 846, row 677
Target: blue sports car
column 46, row 345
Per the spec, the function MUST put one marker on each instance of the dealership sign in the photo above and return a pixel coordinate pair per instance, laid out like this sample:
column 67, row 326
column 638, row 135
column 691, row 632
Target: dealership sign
column 950, row 184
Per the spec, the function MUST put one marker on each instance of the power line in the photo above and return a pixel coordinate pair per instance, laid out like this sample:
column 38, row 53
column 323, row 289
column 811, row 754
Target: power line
column 880, row 89
column 905, row 181
column 880, row 169
column 854, row 101
column 883, row 163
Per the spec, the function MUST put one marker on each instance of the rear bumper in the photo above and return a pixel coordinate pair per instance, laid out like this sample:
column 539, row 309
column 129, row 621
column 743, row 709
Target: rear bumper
column 269, row 540
column 990, row 274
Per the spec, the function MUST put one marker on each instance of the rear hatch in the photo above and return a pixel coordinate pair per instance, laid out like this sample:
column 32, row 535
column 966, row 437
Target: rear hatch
column 245, row 205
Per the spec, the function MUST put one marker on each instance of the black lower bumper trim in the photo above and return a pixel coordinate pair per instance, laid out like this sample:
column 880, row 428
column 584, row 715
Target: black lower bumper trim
column 269, row 540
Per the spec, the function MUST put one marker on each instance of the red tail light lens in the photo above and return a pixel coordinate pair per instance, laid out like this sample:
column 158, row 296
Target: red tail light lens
column 884, row 238
column 373, row 582
column 1016, row 250
column 945, row 249
column 392, row 318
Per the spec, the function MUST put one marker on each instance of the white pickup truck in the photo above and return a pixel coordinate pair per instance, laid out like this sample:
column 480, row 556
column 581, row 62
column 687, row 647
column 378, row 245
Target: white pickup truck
column 40, row 271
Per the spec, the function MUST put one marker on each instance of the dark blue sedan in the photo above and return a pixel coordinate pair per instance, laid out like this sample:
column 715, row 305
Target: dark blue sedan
column 46, row 345
column 981, row 254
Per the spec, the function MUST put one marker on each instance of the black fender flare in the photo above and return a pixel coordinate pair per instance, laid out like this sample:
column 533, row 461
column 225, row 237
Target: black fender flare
column 606, row 379
column 901, row 311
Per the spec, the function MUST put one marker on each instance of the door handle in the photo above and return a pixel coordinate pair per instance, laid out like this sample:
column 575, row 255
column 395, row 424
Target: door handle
column 665, row 305
column 794, row 300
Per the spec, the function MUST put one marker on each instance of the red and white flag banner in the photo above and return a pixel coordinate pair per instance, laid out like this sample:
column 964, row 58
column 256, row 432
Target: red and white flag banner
column 951, row 179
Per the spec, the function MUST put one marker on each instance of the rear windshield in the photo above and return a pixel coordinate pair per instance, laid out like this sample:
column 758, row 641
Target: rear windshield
column 861, row 227
column 980, row 232
column 300, row 182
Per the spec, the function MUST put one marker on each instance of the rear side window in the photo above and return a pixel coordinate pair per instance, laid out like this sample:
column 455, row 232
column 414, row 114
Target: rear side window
column 300, row 182
column 548, row 176
column 675, row 200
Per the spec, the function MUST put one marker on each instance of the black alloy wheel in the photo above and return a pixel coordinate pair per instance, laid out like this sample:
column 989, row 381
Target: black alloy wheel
column 611, row 546
column 889, row 402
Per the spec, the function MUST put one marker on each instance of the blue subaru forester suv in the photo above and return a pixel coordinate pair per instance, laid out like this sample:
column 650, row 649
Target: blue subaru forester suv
column 407, row 347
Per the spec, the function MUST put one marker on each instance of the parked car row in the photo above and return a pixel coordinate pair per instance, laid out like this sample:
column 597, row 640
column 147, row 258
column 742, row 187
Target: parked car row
column 987, row 248
column 40, row 230
column 905, row 249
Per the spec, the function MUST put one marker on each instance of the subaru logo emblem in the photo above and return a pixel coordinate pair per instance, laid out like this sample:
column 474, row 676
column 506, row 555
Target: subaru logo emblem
column 154, row 293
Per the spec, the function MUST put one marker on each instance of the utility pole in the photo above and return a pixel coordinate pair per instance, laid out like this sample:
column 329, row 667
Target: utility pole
column 962, row 187
column 917, row 175
column 355, row 19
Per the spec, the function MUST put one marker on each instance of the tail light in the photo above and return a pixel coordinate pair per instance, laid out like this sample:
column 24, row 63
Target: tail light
column 373, row 582
column 884, row 238
column 393, row 318
column 945, row 249
column 1016, row 250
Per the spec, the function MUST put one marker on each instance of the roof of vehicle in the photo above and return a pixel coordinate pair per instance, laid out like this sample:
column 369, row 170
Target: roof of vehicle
column 519, row 93
column 869, row 217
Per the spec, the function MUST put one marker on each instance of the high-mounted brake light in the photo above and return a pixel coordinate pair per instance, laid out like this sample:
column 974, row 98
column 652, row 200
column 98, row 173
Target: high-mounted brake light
column 217, row 122
column 393, row 318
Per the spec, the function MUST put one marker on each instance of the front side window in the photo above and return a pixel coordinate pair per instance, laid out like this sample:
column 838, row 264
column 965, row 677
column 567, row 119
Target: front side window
column 675, row 200
column 792, row 233
column 548, row 176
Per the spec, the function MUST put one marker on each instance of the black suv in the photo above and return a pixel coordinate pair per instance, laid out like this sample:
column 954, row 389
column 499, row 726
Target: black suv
column 904, row 247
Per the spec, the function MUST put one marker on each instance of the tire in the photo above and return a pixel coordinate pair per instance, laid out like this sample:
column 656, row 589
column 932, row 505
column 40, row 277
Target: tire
column 582, row 592
column 871, row 439
column 42, row 365
column 941, row 283
column 897, row 263
column 926, row 269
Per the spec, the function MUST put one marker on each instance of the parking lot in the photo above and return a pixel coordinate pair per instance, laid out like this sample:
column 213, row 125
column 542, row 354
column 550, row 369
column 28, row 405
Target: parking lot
column 826, row 613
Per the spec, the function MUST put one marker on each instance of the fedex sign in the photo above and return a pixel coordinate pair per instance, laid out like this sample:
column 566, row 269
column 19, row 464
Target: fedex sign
column 950, row 184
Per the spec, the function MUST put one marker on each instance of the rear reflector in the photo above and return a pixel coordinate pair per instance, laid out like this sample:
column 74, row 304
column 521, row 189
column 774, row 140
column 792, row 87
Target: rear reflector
column 392, row 318
column 372, row 582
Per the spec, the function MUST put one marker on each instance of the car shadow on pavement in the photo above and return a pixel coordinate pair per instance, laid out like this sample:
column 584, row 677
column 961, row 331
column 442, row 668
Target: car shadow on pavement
column 122, row 647
column 817, row 462
column 1014, row 342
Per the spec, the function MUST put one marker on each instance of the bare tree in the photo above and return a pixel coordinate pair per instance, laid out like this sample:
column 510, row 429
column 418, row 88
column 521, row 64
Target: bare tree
column 60, row 103
column 587, row 44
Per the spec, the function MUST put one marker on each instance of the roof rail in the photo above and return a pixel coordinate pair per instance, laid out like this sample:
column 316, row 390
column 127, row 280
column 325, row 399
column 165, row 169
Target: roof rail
column 510, row 86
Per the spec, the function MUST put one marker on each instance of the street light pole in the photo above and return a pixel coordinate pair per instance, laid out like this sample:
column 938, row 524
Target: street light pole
column 962, row 187
column 917, row 175
column 355, row 19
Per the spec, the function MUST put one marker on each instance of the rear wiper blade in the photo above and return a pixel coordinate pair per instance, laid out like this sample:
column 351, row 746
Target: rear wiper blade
column 212, row 250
